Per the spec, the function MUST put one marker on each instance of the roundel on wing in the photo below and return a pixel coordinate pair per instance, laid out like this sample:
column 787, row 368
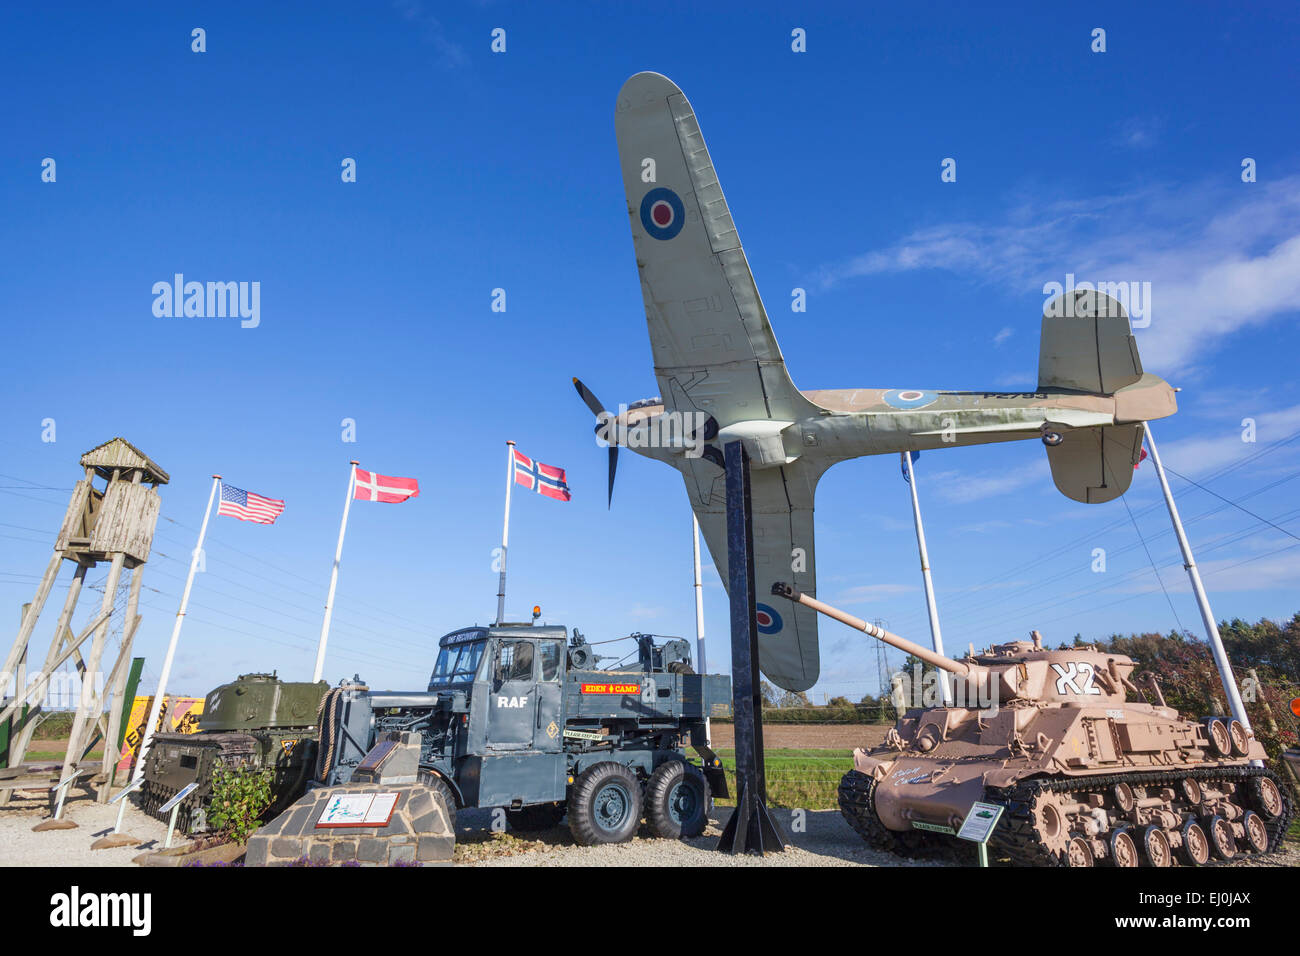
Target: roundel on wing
column 768, row 621
column 909, row 398
column 662, row 213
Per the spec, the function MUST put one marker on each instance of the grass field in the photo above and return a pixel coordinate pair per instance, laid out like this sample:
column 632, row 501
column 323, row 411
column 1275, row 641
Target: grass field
column 802, row 779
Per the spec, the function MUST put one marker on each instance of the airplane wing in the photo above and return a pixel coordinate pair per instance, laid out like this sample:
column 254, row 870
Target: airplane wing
column 782, row 500
column 713, row 346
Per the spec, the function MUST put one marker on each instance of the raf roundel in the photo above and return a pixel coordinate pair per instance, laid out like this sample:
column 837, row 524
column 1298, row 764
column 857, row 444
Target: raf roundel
column 662, row 213
column 768, row 621
column 909, row 398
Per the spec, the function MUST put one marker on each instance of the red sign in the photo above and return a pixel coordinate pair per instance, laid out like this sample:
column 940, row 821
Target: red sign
column 1295, row 706
column 611, row 688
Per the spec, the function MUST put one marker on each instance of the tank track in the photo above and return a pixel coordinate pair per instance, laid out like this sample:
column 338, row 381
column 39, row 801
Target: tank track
column 857, row 806
column 153, row 795
column 1016, row 838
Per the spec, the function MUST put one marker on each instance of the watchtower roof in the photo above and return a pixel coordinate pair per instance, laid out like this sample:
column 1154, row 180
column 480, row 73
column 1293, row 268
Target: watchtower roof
column 118, row 453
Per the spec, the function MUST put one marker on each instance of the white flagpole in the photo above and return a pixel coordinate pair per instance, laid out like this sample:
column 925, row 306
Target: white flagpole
column 1207, row 616
column 505, row 532
column 156, row 707
column 700, row 661
column 936, row 636
column 334, row 576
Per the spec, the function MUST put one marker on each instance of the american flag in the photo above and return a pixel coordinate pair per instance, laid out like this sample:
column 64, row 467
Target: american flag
column 544, row 479
column 248, row 506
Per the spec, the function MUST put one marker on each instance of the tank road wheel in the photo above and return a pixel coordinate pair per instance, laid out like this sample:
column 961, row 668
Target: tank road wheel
column 1222, row 841
column 1079, row 853
column 1155, row 844
column 1256, row 832
column 605, row 805
column 1267, row 797
column 1195, row 850
column 542, row 816
column 1191, row 792
column 677, row 801
column 1240, row 739
column 1123, row 795
column 1123, row 851
column 1219, row 737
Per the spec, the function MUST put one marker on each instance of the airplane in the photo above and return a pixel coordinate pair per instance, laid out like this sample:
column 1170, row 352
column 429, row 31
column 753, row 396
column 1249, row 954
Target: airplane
column 722, row 378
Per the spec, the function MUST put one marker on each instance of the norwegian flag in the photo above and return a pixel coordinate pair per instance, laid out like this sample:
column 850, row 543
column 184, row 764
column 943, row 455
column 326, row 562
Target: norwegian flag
column 543, row 479
column 373, row 487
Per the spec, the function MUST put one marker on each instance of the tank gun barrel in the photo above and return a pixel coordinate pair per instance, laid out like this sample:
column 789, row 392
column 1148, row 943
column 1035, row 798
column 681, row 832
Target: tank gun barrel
column 791, row 593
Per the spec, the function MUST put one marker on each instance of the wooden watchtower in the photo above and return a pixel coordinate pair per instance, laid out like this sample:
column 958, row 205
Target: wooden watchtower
column 114, row 524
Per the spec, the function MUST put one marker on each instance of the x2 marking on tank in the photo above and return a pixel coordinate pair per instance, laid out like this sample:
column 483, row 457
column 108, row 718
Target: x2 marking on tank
column 1073, row 671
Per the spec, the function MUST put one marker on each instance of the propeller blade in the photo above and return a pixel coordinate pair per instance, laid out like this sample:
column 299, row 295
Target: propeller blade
column 589, row 398
column 613, row 467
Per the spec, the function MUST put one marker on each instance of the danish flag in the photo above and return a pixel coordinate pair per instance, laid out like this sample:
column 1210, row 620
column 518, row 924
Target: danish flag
column 373, row 487
column 543, row 479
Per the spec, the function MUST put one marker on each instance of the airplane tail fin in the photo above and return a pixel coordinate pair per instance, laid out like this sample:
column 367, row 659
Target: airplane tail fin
column 1087, row 346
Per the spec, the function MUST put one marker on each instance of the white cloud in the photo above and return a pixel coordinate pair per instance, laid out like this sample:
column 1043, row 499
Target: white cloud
column 966, row 488
column 1005, row 333
column 866, row 593
column 1219, row 258
column 450, row 55
column 1193, row 456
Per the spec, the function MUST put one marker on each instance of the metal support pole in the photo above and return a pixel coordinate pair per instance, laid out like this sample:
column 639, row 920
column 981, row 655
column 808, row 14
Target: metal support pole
column 505, row 532
column 700, row 661
column 936, row 636
column 751, row 828
column 155, row 709
column 334, row 576
column 1202, row 602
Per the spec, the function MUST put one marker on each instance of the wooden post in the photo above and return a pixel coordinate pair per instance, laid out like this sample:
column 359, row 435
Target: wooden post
column 115, row 710
column 29, row 619
column 88, row 706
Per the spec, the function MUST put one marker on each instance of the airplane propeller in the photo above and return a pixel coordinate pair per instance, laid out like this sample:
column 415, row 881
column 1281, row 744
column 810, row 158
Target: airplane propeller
column 603, row 417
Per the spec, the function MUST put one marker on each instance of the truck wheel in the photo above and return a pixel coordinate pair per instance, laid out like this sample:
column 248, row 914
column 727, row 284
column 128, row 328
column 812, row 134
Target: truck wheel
column 543, row 816
column 439, row 786
column 605, row 805
column 677, row 801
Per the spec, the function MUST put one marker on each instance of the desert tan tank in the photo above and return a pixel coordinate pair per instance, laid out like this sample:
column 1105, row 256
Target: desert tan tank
column 1086, row 775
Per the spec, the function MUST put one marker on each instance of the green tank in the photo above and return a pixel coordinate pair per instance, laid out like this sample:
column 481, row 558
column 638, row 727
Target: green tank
column 257, row 721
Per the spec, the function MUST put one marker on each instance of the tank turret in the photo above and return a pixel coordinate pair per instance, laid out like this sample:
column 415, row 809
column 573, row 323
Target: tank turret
column 1086, row 775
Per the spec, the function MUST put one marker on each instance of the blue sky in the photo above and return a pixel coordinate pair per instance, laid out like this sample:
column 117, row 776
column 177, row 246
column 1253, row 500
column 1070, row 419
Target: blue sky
column 478, row 171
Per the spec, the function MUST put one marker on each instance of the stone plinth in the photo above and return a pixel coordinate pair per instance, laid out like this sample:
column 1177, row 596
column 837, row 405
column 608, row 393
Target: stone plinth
column 417, row 832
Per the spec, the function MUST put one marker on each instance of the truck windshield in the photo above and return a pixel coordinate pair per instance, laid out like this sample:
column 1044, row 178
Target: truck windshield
column 457, row 664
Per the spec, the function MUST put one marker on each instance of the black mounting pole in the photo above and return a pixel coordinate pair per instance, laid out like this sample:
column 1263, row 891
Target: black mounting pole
column 751, row 828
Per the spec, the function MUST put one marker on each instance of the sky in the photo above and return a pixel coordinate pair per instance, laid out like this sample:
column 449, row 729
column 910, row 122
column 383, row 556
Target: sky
column 479, row 170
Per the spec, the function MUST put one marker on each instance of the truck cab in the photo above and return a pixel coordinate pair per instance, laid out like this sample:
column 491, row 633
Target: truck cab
column 515, row 714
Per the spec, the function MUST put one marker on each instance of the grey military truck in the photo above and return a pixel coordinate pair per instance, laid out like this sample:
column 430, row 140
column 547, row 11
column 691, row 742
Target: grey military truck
column 520, row 717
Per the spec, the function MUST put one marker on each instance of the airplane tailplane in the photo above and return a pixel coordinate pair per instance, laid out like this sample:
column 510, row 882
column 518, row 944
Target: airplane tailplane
column 1095, row 464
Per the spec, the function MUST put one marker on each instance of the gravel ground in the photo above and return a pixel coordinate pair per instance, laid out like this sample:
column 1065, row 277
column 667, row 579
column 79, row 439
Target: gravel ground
column 826, row 841
column 19, row 846
column 822, row 840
